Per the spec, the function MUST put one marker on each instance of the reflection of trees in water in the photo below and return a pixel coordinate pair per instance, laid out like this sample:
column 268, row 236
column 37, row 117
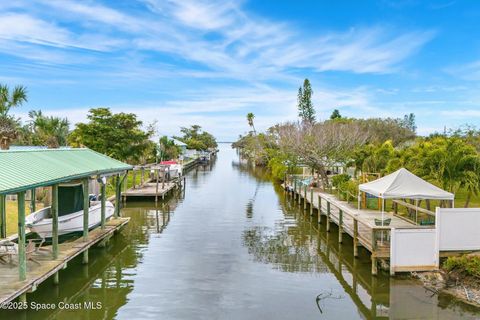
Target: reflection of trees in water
column 285, row 248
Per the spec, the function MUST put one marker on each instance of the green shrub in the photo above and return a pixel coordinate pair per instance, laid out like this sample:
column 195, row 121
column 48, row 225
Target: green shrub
column 467, row 265
column 339, row 179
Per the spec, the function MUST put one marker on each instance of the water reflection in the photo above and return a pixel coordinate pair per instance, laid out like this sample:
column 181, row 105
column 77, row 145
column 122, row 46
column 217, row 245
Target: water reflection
column 233, row 246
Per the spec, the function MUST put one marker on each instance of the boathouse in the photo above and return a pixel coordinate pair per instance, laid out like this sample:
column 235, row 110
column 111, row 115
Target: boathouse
column 23, row 171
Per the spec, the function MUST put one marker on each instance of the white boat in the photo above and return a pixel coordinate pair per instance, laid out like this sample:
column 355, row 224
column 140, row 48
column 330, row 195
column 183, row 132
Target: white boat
column 70, row 213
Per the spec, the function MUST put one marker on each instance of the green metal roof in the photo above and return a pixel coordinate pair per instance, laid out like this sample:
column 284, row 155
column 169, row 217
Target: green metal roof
column 22, row 170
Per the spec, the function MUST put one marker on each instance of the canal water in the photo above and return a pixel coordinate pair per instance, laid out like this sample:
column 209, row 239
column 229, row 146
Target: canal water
column 231, row 245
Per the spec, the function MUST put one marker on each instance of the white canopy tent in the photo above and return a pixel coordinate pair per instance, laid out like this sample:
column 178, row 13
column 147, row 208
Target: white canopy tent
column 402, row 184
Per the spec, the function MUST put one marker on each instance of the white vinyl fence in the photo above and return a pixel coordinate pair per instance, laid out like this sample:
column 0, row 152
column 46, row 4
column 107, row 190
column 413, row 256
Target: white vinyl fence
column 458, row 229
column 413, row 250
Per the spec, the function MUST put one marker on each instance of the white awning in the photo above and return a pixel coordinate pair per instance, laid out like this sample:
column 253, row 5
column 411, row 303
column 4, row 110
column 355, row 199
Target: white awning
column 404, row 184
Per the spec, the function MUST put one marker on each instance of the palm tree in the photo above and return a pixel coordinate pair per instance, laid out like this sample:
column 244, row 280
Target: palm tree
column 49, row 131
column 250, row 117
column 8, row 124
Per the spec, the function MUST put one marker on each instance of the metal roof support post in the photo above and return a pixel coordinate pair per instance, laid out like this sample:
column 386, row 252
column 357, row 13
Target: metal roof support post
column 86, row 202
column 3, row 216
column 54, row 211
column 118, row 189
column 33, row 203
column 22, row 258
column 102, row 208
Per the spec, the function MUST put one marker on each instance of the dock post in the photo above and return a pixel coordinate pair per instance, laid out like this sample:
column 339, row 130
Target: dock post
column 319, row 209
column 86, row 202
column 22, row 259
column 294, row 189
column 102, row 206
column 3, row 216
column 355, row 237
column 56, row 278
column 305, row 198
column 340, row 225
column 134, row 179
column 328, row 216
column 374, row 255
column 22, row 298
column 54, row 212
column 33, row 204
column 118, row 191
column 156, row 185
column 311, row 202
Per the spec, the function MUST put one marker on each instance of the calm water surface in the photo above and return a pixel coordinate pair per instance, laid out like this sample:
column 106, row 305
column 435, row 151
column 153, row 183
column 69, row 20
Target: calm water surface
column 233, row 247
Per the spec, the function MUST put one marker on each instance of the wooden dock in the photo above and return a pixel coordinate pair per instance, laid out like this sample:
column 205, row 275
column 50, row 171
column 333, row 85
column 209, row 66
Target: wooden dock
column 359, row 224
column 149, row 189
column 46, row 267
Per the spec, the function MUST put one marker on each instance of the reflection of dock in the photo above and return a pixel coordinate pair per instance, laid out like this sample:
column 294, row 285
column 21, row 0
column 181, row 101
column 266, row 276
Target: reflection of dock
column 46, row 267
column 359, row 224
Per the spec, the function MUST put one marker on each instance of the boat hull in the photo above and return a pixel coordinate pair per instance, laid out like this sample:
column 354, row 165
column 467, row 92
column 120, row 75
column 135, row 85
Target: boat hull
column 69, row 224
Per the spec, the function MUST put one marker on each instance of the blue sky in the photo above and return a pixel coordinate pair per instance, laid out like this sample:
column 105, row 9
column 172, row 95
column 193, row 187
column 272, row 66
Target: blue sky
column 187, row 62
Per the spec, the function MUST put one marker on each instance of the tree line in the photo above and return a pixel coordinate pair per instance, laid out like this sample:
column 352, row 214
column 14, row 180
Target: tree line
column 376, row 145
column 119, row 135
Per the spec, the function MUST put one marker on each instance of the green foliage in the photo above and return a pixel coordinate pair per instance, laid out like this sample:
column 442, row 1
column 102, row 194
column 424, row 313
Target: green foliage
column 250, row 117
column 117, row 135
column 11, row 99
column 340, row 179
column 306, row 111
column 9, row 125
column 466, row 265
column 335, row 115
column 44, row 131
column 197, row 139
column 168, row 149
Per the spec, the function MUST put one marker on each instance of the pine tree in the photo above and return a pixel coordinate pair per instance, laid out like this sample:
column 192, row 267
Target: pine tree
column 306, row 111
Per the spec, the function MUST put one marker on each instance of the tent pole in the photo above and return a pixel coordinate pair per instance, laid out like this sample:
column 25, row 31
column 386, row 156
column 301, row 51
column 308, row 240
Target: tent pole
column 416, row 211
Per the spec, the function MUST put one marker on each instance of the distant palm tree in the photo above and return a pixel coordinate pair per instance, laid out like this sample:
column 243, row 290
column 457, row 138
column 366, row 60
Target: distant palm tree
column 8, row 124
column 49, row 131
column 250, row 117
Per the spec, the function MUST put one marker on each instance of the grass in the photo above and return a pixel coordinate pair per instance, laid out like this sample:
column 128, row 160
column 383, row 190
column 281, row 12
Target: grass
column 12, row 216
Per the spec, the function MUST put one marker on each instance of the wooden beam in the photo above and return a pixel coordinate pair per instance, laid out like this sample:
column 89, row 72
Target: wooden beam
column 22, row 259
column 54, row 212
column 3, row 216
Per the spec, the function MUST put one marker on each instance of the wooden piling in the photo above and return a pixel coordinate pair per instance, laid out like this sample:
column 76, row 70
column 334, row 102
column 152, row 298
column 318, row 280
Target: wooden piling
column 328, row 216
column 305, row 198
column 311, row 202
column 374, row 254
column 355, row 237
column 33, row 203
column 22, row 259
column 340, row 226
column 319, row 209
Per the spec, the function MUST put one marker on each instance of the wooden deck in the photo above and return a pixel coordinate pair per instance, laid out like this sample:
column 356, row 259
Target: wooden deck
column 11, row 287
column 149, row 189
column 359, row 224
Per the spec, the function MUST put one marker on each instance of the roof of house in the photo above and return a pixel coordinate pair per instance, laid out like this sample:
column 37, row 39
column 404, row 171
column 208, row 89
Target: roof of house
column 26, row 169
column 404, row 184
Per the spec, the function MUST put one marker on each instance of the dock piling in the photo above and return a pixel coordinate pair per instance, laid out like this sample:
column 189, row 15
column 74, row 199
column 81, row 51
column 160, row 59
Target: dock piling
column 328, row 216
column 22, row 259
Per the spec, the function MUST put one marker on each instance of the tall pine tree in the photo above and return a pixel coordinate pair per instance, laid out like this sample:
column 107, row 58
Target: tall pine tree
column 306, row 111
